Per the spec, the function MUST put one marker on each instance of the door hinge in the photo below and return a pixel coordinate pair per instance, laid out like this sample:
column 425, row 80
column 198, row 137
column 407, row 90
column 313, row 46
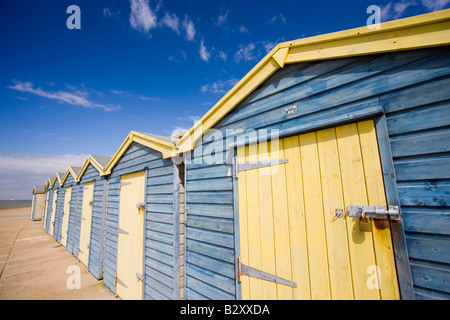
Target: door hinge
column 122, row 184
column 140, row 206
column 122, row 231
column 242, row 269
column 120, row 282
column 242, row 166
column 374, row 212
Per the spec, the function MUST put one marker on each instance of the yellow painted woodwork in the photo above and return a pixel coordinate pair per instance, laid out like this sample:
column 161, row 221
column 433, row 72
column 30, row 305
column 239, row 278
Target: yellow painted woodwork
column 288, row 224
column 66, row 211
column 131, row 246
column 52, row 216
column 86, row 220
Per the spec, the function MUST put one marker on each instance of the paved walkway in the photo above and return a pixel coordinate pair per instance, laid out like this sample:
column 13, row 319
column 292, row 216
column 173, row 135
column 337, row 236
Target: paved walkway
column 34, row 266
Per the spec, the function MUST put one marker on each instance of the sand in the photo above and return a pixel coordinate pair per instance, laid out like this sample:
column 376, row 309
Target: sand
column 33, row 266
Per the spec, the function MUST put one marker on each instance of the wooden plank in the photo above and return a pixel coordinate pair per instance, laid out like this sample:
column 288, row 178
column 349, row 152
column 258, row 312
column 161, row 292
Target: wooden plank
column 419, row 143
column 427, row 220
column 317, row 252
column 423, row 168
column 431, row 276
column 435, row 193
column 254, row 224
column 354, row 191
column 297, row 219
column 428, row 117
column 281, row 220
column 266, row 218
column 336, row 228
column 428, row 247
column 384, row 252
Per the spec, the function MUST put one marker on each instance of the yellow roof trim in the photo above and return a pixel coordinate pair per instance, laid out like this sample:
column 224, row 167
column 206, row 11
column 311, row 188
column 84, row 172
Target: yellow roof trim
column 66, row 175
column 57, row 176
column 165, row 147
column 96, row 165
column 428, row 30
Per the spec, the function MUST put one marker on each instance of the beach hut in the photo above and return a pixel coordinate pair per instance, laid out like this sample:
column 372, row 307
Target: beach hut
column 324, row 172
column 142, row 242
column 38, row 203
column 69, row 188
column 56, row 205
column 86, row 227
column 45, row 220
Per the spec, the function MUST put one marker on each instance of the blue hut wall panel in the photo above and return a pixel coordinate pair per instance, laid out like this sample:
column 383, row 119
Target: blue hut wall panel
column 161, row 276
column 59, row 209
column 71, row 247
column 95, row 265
column 410, row 88
column 48, row 213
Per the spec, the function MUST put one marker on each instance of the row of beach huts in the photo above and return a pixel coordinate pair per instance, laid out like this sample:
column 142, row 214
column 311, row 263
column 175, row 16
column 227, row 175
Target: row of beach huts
column 323, row 174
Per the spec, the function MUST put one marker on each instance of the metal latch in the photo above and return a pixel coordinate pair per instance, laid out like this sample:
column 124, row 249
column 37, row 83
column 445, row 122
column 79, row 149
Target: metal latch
column 140, row 206
column 139, row 277
column 374, row 212
column 91, row 203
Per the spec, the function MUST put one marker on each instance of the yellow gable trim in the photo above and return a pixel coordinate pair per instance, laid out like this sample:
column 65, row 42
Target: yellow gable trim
column 97, row 166
column 166, row 148
column 428, row 30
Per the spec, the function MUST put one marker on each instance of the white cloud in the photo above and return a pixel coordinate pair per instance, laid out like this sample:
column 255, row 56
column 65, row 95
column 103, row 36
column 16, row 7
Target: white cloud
column 204, row 54
column 246, row 53
column 243, row 29
column 189, row 28
column 76, row 98
column 20, row 172
column 171, row 21
column 142, row 17
column 435, row 5
column 278, row 17
column 222, row 19
column 108, row 13
column 222, row 55
column 395, row 10
column 220, row 86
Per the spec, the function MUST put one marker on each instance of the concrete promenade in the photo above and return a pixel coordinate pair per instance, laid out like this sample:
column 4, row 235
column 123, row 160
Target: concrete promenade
column 34, row 266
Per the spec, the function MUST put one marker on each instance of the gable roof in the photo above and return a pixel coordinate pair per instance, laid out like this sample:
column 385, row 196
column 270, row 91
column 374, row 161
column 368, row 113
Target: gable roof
column 99, row 163
column 58, row 176
column 73, row 171
column 423, row 31
column 38, row 189
column 152, row 141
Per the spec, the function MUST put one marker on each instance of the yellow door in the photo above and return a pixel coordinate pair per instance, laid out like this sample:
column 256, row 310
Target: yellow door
column 131, row 237
column 86, row 218
column 289, row 228
column 66, row 211
column 52, row 216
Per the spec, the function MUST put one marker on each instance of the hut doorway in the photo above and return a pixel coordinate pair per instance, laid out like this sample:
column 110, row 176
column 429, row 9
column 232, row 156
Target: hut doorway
column 66, row 210
column 131, row 236
column 296, row 239
column 86, row 220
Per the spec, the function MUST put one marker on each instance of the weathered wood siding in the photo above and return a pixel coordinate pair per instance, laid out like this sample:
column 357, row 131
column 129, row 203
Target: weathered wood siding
column 412, row 87
column 71, row 246
column 48, row 214
column 96, row 246
column 160, row 278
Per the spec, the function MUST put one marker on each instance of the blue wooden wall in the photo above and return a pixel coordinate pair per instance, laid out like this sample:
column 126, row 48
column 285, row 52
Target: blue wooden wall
column 95, row 265
column 58, row 213
column 48, row 214
column 70, row 181
column 411, row 86
column 71, row 247
column 160, row 233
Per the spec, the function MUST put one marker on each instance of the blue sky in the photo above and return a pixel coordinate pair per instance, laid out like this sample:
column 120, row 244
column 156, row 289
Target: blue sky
column 153, row 66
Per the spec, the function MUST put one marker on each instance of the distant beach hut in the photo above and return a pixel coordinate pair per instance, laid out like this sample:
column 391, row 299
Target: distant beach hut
column 38, row 203
column 86, row 227
column 142, row 241
column 68, row 182
column 57, row 200
column 47, row 196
